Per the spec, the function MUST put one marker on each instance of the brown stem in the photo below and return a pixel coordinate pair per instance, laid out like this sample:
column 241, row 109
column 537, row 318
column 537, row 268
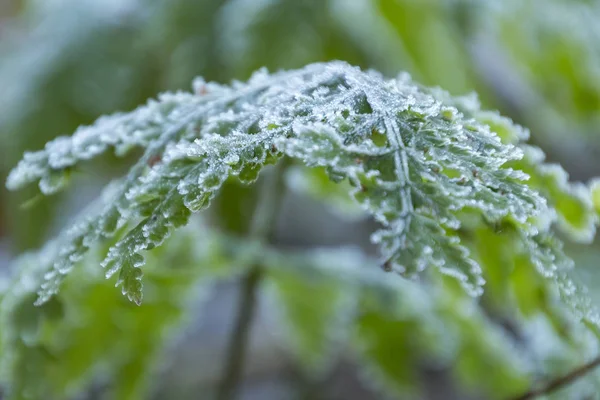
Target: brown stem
column 261, row 230
column 561, row 382
column 236, row 352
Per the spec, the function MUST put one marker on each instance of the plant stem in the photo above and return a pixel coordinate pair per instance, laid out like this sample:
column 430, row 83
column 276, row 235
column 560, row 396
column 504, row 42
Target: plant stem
column 236, row 350
column 261, row 229
column 562, row 381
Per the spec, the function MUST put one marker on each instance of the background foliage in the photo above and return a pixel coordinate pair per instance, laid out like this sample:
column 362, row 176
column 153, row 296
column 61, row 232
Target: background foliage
column 63, row 63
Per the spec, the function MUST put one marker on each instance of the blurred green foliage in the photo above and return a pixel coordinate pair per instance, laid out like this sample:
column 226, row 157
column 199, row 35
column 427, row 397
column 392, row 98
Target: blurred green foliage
column 64, row 63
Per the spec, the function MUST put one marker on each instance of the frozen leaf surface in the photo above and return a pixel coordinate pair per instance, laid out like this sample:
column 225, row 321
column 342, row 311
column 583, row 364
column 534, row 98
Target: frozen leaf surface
column 416, row 162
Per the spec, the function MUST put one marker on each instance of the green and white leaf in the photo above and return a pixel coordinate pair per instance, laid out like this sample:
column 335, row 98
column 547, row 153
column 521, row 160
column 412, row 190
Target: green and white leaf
column 414, row 162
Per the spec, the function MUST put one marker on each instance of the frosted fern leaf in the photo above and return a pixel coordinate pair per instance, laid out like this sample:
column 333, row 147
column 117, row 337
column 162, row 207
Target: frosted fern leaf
column 415, row 163
column 571, row 202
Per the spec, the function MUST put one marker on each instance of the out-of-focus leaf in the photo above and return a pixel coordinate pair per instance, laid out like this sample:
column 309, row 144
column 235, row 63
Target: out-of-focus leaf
column 89, row 333
column 316, row 308
column 595, row 188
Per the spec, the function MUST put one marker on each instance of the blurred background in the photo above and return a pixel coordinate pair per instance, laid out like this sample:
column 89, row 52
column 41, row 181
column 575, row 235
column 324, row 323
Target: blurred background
column 64, row 63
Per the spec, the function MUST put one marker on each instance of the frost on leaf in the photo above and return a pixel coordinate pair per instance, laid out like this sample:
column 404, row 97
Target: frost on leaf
column 571, row 203
column 120, row 132
column 415, row 163
column 415, row 160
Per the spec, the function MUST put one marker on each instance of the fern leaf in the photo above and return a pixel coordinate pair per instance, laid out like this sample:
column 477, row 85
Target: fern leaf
column 430, row 164
column 56, row 349
column 415, row 164
column 571, row 202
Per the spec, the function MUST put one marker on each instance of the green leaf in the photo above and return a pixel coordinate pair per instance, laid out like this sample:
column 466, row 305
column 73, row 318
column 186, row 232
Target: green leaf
column 572, row 202
column 56, row 350
column 426, row 38
column 414, row 161
column 402, row 329
column 130, row 278
column 389, row 345
column 315, row 308
column 595, row 188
